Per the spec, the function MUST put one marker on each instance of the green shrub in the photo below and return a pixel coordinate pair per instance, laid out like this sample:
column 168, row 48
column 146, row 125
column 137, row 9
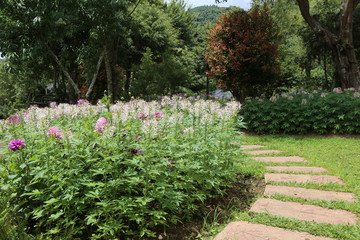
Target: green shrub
column 150, row 165
column 302, row 112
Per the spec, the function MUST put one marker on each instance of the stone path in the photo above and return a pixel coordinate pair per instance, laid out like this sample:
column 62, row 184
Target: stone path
column 303, row 212
column 252, row 231
column 261, row 152
column 281, row 159
column 271, row 190
column 299, row 178
column 297, row 169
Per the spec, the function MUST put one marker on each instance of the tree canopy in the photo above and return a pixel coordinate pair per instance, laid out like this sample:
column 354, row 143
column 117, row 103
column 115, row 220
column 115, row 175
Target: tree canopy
column 242, row 53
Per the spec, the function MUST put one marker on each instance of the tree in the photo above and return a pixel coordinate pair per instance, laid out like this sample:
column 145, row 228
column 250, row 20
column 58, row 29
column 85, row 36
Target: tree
column 63, row 33
column 339, row 41
column 242, row 53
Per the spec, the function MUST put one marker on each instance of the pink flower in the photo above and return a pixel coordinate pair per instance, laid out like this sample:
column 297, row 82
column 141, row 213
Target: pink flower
column 158, row 115
column 101, row 121
column 142, row 116
column 54, row 132
column 16, row 145
column 14, row 119
column 52, row 104
column 82, row 102
column 100, row 125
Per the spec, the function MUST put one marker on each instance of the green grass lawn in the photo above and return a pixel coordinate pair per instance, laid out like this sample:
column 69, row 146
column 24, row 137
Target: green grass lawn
column 340, row 156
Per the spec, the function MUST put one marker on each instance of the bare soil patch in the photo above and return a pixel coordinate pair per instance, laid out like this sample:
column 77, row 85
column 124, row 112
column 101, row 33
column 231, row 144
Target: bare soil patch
column 238, row 197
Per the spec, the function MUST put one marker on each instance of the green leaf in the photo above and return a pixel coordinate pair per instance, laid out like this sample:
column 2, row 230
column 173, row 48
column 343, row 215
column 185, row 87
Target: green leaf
column 56, row 215
column 51, row 201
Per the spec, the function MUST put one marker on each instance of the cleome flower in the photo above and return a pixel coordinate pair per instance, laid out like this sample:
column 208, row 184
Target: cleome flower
column 101, row 121
column 82, row 102
column 142, row 116
column 133, row 150
column 158, row 115
column 54, row 132
column 14, row 119
column 100, row 125
column 52, row 104
column 16, row 145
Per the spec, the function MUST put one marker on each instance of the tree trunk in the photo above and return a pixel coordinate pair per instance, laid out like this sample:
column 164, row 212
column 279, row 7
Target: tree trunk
column 66, row 73
column 95, row 74
column 308, row 74
column 347, row 67
column 127, row 78
column 108, row 74
column 342, row 46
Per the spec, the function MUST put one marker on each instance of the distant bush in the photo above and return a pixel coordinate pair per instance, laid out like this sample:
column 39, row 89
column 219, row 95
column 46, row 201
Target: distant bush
column 302, row 112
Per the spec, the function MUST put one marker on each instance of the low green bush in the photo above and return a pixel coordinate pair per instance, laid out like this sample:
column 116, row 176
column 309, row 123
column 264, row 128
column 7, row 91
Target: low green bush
column 123, row 171
column 301, row 112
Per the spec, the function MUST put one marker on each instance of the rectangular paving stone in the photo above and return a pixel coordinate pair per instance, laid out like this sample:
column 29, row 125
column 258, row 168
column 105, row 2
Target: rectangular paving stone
column 303, row 212
column 252, row 231
column 260, row 152
column 246, row 147
column 299, row 169
column 280, row 159
column 301, row 178
column 271, row 190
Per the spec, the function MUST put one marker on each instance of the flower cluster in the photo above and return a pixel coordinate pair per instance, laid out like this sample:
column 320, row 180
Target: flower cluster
column 14, row 119
column 158, row 115
column 133, row 150
column 52, row 104
column 16, row 145
column 54, row 132
column 82, row 102
column 100, row 125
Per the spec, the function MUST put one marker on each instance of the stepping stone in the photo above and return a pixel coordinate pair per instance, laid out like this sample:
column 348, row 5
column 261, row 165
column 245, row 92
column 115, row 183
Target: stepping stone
column 271, row 190
column 298, row 178
column 246, row 147
column 303, row 212
column 259, row 152
column 296, row 169
column 251, row 231
column 280, row 159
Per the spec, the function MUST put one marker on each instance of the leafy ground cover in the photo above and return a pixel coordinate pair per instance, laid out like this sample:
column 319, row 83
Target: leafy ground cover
column 126, row 171
column 340, row 155
column 302, row 112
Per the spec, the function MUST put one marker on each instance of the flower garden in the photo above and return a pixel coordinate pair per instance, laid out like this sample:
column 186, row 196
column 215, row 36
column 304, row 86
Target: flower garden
column 118, row 171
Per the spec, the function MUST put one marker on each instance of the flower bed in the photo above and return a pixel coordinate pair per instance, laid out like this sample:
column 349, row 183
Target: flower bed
column 303, row 112
column 113, row 171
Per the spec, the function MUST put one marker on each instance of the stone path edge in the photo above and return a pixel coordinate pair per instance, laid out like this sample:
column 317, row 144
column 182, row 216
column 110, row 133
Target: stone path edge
column 280, row 159
column 252, row 231
column 262, row 152
column 313, row 194
column 303, row 212
column 296, row 169
column 301, row 178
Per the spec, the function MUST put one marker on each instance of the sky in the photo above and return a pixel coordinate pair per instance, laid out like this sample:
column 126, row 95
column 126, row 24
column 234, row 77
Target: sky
column 244, row 4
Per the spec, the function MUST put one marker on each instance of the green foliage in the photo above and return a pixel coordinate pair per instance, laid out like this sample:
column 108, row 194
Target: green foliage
column 77, row 32
column 154, row 79
column 207, row 14
column 14, row 92
column 304, row 113
column 98, row 185
column 242, row 53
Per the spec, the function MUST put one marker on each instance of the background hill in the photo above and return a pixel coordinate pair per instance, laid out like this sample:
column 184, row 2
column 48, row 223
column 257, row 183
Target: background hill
column 208, row 14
